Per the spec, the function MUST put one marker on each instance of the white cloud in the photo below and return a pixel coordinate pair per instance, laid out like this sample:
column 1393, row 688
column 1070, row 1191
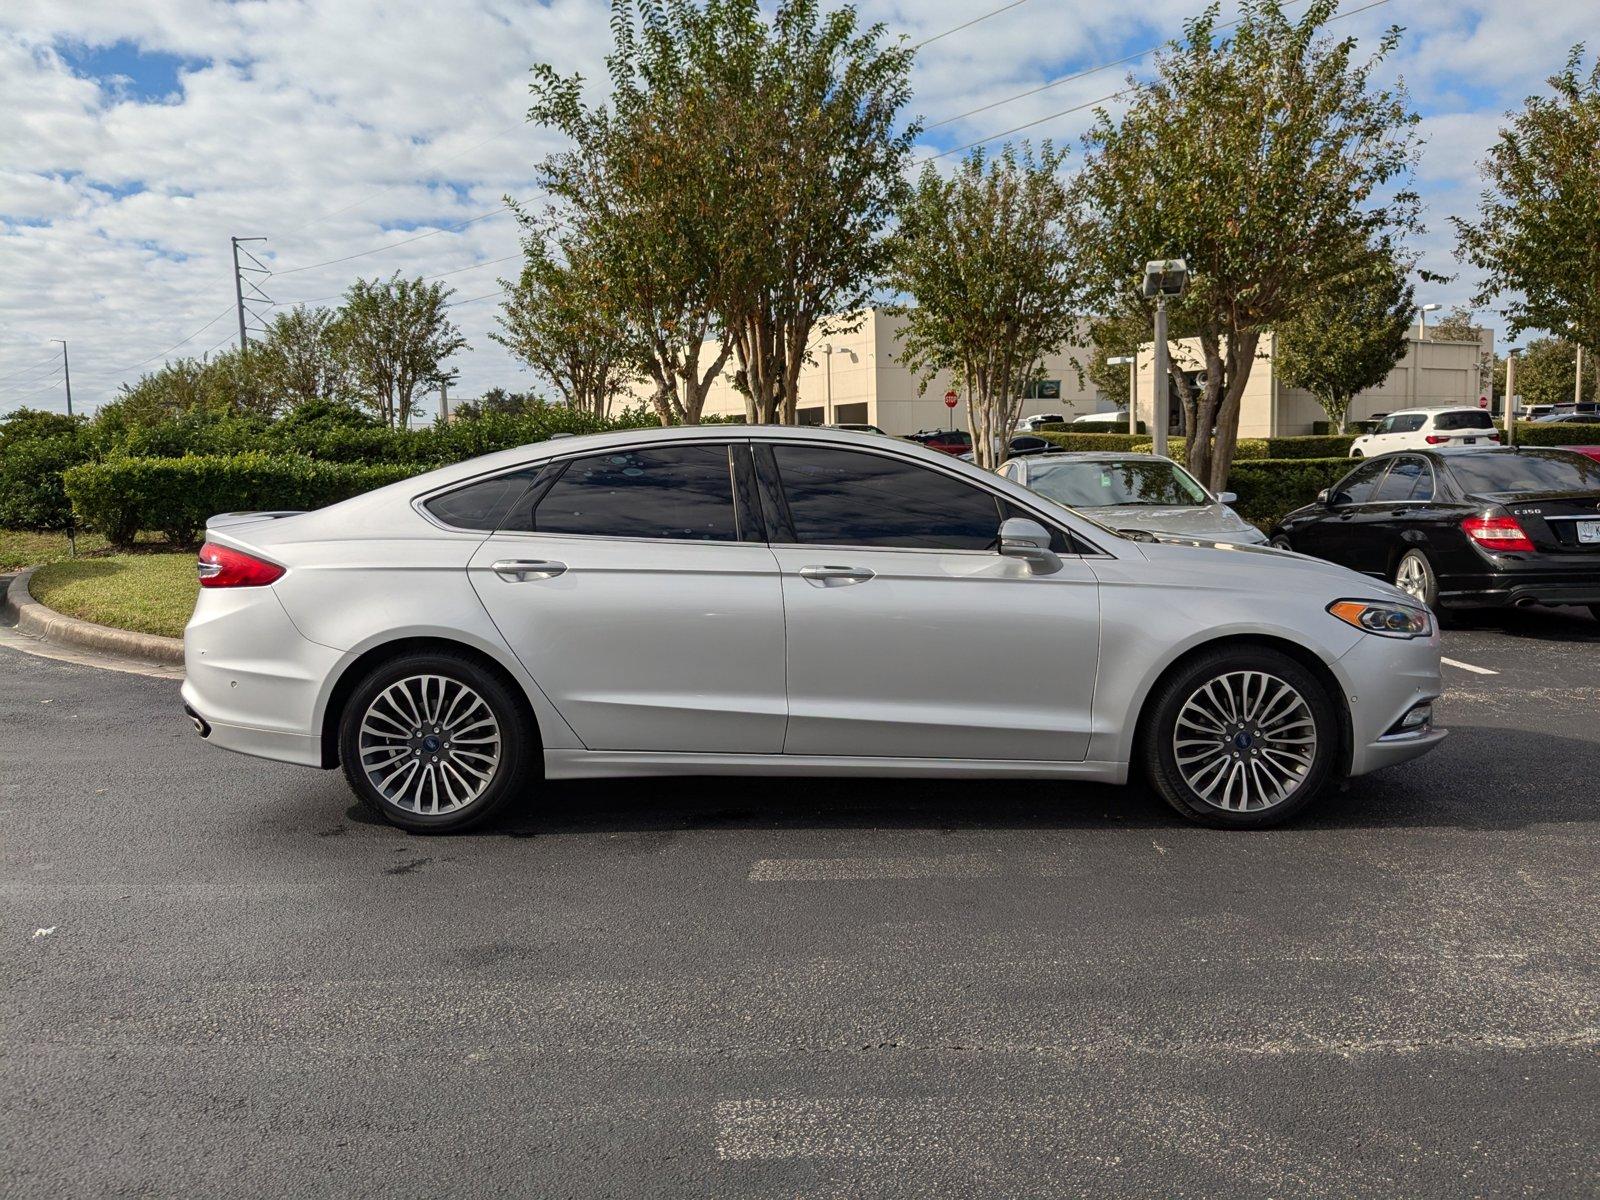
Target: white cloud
column 334, row 128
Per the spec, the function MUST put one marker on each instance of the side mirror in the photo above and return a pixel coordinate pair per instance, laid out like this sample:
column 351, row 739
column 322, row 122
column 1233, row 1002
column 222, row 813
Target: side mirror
column 1325, row 498
column 1029, row 541
column 1227, row 497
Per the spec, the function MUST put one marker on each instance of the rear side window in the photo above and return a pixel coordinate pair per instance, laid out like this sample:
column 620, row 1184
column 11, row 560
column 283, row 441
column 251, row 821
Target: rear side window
column 850, row 498
column 1474, row 418
column 1525, row 471
column 1408, row 479
column 481, row 505
column 684, row 493
column 1407, row 423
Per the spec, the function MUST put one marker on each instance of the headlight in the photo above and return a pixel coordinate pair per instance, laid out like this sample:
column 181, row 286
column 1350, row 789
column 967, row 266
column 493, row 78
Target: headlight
column 1385, row 620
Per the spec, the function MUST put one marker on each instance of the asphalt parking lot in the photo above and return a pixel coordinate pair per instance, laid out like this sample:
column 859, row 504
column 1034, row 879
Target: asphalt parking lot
column 221, row 978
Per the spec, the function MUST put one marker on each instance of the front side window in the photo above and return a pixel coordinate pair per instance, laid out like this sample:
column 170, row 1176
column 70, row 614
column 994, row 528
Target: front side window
column 851, row 498
column 684, row 493
column 1405, row 423
column 1088, row 484
column 1359, row 486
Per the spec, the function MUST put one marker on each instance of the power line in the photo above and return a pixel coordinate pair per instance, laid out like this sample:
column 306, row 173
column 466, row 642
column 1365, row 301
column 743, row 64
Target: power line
column 175, row 345
column 475, row 299
column 968, row 24
column 425, row 279
column 1090, row 104
column 33, row 370
column 47, row 387
column 395, row 245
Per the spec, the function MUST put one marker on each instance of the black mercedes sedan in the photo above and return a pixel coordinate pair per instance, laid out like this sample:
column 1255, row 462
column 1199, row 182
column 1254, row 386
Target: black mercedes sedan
column 1463, row 528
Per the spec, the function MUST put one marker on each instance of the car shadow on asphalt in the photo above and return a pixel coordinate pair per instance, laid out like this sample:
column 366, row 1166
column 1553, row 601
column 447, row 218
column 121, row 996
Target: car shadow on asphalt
column 1529, row 624
column 1479, row 779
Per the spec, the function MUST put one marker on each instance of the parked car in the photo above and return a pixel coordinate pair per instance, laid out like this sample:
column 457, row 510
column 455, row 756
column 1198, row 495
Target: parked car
column 1564, row 418
column 1103, row 422
column 1587, row 451
column 1534, row 412
column 946, row 441
column 1146, row 492
column 784, row 601
column 1033, row 423
column 1420, row 428
column 858, row 428
column 1459, row 528
column 1023, row 444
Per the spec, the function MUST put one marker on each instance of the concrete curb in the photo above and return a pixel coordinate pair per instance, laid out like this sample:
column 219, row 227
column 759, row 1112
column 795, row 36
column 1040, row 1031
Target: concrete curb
column 35, row 620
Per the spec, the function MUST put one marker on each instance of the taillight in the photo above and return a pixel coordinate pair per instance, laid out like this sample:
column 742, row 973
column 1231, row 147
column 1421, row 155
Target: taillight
column 1434, row 439
column 225, row 567
column 1502, row 535
column 1493, row 437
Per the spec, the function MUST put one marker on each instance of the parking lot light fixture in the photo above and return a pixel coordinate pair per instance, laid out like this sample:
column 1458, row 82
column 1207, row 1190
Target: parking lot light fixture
column 1424, row 311
column 1163, row 278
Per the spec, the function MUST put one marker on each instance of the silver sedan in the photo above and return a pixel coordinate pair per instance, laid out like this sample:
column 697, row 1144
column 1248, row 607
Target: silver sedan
column 1146, row 492
column 784, row 601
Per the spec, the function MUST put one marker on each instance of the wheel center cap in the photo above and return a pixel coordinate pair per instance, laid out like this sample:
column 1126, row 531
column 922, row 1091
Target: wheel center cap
column 1242, row 740
column 430, row 744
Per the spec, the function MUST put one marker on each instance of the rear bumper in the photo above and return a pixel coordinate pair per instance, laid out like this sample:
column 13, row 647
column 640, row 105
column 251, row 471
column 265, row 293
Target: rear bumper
column 1577, row 583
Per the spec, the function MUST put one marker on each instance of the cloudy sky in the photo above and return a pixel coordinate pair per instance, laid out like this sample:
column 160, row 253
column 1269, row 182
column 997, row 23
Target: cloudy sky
column 136, row 138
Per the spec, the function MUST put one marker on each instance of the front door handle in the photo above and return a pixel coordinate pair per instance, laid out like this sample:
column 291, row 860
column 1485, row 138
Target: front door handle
column 832, row 576
column 520, row 570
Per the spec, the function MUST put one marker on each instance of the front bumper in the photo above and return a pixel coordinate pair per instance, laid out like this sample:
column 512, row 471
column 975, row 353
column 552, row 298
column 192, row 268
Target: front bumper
column 1385, row 678
column 252, row 679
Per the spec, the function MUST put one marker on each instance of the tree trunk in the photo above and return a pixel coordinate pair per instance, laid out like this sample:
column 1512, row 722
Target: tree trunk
column 1241, row 356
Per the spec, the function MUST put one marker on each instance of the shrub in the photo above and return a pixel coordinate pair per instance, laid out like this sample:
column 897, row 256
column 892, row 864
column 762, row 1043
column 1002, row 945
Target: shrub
column 1270, row 487
column 1313, row 446
column 1068, row 427
column 1116, row 442
column 1570, row 433
column 121, row 496
column 35, row 448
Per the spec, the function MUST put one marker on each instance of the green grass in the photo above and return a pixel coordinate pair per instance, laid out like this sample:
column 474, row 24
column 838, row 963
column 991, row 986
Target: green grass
column 19, row 549
column 150, row 593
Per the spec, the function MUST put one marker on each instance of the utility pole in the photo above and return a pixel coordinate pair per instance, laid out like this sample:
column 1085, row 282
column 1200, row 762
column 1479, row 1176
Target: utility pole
column 1577, row 381
column 238, row 283
column 66, row 371
column 1511, row 395
column 444, row 403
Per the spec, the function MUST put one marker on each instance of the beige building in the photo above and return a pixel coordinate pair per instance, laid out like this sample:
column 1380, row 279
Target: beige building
column 857, row 379
column 1431, row 373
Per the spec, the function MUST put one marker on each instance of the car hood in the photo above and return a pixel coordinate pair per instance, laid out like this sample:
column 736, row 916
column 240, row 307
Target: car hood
column 1264, row 569
column 1210, row 522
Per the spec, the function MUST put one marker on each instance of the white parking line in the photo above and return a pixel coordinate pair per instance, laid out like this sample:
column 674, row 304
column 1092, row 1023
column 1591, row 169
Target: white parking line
column 1450, row 662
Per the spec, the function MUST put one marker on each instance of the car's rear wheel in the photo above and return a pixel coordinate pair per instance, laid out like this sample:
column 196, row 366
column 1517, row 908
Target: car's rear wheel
column 1414, row 576
column 434, row 743
column 1241, row 738
column 1280, row 542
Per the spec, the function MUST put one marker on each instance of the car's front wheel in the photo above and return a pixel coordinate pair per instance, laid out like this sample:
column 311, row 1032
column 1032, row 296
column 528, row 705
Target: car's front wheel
column 1241, row 738
column 435, row 743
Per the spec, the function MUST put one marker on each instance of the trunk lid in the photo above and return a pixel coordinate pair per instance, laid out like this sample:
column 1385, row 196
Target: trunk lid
column 1559, row 522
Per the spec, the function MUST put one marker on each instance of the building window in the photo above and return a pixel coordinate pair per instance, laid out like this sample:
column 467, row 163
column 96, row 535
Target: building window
column 810, row 416
column 1043, row 389
column 850, row 414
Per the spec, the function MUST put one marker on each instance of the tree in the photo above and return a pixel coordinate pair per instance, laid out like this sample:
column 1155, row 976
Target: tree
column 1537, row 235
column 990, row 258
column 397, row 334
column 302, row 359
column 497, row 402
column 1546, row 373
column 1268, row 159
column 1349, row 337
column 551, row 322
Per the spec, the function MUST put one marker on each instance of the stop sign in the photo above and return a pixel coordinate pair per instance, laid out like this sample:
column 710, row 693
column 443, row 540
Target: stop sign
column 950, row 398
column 1483, row 402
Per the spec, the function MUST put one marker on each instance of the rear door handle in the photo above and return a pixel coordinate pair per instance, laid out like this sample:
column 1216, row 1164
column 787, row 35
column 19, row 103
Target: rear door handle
column 833, row 576
column 520, row 570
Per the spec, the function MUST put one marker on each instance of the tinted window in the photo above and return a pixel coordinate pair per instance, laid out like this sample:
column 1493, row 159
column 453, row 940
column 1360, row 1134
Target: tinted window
column 1409, row 423
column 683, row 492
column 1358, row 486
column 848, row 498
column 1472, row 419
column 481, row 505
column 1408, row 479
column 1146, row 481
column 1525, row 471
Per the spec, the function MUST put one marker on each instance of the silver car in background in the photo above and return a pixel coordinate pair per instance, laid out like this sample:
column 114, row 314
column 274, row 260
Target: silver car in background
column 784, row 601
column 1145, row 492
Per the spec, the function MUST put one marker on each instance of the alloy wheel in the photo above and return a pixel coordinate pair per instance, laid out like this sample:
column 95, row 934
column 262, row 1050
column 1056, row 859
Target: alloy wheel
column 429, row 744
column 1245, row 741
column 1412, row 578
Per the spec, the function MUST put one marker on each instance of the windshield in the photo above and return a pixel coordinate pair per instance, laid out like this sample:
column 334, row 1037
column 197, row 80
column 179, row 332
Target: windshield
column 1101, row 484
column 1526, row 471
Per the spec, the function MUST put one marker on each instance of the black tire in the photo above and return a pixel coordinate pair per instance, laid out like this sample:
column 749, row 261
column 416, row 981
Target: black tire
column 1594, row 611
column 1157, row 751
column 1280, row 541
column 1418, row 561
column 517, row 744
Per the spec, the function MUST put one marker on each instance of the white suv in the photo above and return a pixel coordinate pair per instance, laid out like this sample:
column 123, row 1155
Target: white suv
column 1428, row 428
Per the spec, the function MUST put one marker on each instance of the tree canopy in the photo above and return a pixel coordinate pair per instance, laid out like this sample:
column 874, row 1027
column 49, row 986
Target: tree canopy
column 397, row 334
column 1267, row 158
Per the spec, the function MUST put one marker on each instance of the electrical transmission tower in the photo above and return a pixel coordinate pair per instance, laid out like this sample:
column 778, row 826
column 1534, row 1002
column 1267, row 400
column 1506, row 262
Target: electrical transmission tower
column 240, row 282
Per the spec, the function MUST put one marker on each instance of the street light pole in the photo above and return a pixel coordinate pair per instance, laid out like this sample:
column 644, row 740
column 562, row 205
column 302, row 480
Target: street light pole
column 1161, row 398
column 1511, row 396
column 1423, row 317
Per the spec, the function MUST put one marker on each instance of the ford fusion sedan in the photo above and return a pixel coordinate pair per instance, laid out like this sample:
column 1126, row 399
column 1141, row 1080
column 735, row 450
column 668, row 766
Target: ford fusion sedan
column 1145, row 492
column 784, row 601
column 1463, row 529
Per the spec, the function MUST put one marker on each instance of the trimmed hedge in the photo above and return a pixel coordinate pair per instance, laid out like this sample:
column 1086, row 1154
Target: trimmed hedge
column 122, row 496
column 1270, row 487
column 1569, row 433
column 1115, row 442
column 1312, row 446
column 1074, row 427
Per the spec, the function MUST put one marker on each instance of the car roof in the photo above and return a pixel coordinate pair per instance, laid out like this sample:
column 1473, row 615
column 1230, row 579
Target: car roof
column 1094, row 456
column 1432, row 409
